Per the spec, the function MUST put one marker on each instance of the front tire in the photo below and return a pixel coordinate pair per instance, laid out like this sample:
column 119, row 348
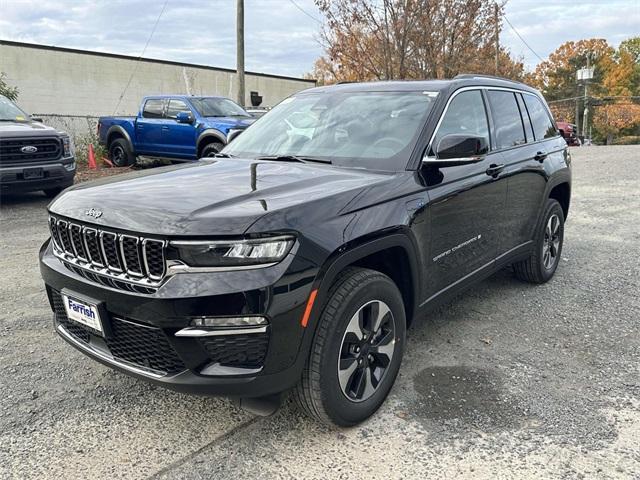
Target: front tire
column 357, row 349
column 211, row 149
column 543, row 262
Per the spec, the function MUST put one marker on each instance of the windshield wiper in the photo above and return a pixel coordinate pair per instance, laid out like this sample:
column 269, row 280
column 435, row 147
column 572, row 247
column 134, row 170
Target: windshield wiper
column 223, row 155
column 294, row 158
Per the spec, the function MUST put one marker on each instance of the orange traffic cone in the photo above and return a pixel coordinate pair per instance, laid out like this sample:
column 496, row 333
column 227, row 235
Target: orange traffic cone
column 92, row 158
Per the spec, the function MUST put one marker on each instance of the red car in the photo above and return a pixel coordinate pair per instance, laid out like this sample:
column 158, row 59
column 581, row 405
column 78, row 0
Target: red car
column 569, row 132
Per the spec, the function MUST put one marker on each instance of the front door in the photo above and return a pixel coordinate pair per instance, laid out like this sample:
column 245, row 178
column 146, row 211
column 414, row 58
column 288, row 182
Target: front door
column 178, row 139
column 466, row 201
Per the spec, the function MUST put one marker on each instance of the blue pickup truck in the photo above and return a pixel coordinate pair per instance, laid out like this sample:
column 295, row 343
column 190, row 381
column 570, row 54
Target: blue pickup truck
column 178, row 127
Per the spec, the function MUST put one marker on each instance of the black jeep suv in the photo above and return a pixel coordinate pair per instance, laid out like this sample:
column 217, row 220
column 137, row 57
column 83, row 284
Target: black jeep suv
column 299, row 256
column 33, row 156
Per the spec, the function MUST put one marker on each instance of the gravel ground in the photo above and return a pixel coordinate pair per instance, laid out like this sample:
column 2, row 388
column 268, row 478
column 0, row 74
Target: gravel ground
column 508, row 381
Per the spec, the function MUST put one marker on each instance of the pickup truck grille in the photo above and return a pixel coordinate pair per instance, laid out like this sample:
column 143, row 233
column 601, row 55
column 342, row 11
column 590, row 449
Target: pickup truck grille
column 17, row 151
column 121, row 258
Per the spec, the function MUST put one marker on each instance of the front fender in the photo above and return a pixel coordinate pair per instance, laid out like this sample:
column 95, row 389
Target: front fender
column 211, row 133
column 342, row 258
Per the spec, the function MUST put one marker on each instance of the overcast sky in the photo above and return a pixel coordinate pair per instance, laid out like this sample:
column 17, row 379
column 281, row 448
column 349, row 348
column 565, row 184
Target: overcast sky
column 280, row 37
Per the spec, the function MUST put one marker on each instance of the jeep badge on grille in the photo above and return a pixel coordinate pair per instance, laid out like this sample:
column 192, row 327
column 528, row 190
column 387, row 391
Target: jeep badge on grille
column 92, row 212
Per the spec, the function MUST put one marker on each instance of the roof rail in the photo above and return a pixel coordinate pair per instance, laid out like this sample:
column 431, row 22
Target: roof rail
column 461, row 76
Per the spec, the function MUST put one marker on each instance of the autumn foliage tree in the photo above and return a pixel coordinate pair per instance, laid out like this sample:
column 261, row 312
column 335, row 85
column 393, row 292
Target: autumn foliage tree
column 409, row 39
column 616, row 81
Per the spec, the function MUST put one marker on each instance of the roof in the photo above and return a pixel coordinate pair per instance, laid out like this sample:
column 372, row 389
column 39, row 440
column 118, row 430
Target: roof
column 464, row 80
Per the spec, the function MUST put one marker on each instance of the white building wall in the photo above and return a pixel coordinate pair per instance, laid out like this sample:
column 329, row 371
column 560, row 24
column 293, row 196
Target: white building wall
column 63, row 82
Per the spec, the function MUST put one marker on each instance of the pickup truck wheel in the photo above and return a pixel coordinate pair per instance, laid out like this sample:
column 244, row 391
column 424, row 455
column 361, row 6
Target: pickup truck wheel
column 211, row 149
column 357, row 349
column 543, row 262
column 120, row 154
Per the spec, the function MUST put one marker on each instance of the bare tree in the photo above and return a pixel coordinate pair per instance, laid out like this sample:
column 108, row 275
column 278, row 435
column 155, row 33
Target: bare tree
column 409, row 39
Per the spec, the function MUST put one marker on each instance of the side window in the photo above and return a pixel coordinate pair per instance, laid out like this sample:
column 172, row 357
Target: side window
column 525, row 118
column 153, row 108
column 176, row 106
column 466, row 114
column 506, row 118
column 542, row 125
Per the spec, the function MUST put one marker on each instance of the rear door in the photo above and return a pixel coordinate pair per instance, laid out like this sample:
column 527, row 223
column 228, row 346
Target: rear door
column 149, row 127
column 524, row 151
column 178, row 139
column 466, row 202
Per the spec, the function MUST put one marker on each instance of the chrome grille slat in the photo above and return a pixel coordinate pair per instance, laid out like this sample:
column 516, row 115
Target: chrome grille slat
column 65, row 239
column 109, row 245
column 77, row 242
column 121, row 259
column 92, row 245
column 130, row 254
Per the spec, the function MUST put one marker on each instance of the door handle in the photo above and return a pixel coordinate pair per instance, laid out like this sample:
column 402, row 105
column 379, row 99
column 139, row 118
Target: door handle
column 140, row 127
column 165, row 128
column 540, row 156
column 494, row 169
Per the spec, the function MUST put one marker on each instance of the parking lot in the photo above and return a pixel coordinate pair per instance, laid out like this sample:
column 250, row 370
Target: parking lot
column 509, row 380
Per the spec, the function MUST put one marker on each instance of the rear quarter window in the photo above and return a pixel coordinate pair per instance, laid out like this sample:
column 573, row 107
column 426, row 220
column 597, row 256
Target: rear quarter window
column 540, row 119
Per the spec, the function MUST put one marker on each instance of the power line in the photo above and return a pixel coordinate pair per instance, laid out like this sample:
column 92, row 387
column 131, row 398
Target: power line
column 312, row 17
column 523, row 40
column 135, row 68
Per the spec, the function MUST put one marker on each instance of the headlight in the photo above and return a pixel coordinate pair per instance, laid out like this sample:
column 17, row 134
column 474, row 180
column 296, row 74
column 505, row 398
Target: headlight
column 234, row 253
column 68, row 147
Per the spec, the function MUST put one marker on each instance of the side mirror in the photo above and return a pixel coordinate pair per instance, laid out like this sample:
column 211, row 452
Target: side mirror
column 459, row 149
column 37, row 119
column 184, row 117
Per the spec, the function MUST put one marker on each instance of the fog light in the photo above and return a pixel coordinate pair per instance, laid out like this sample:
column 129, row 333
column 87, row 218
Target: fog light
column 229, row 322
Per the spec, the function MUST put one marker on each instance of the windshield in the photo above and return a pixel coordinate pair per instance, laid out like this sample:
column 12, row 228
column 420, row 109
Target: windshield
column 218, row 107
column 10, row 112
column 376, row 130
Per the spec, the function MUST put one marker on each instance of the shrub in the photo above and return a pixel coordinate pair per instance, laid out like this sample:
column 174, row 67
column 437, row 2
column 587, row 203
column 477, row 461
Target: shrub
column 627, row 140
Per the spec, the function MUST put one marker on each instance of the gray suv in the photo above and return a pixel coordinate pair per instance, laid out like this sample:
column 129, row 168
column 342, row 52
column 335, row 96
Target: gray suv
column 33, row 156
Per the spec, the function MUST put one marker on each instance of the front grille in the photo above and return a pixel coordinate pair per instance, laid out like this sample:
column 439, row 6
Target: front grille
column 144, row 346
column 46, row 149
column 120, row 257
column 244, row 351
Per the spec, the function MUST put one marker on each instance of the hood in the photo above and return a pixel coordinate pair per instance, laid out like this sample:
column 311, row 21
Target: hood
column 225, row 123
column 210, row 197
column 25, row 129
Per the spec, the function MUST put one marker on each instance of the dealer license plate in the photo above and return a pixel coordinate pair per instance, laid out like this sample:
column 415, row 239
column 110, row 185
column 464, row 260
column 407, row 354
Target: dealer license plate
column 83, row 312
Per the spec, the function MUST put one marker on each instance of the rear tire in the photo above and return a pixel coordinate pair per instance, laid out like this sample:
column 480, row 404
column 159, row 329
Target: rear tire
column 120, row 153
column 357, row 349
column 544, row 260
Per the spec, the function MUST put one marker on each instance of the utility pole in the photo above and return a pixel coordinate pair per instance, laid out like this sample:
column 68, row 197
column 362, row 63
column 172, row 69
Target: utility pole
column 585, row 120
column 240, row 49
column 496, row 15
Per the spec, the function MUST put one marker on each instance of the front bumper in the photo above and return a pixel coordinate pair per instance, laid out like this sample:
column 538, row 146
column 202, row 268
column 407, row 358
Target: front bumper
column 54, row 175
column 141, row 338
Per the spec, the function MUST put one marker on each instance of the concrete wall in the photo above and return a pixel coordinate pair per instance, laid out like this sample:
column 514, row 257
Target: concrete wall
column 73, row 82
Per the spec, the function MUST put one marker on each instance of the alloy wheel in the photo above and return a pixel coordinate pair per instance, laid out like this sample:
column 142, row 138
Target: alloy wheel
column 551, row 242
column 118, row 155
column 367, row 348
